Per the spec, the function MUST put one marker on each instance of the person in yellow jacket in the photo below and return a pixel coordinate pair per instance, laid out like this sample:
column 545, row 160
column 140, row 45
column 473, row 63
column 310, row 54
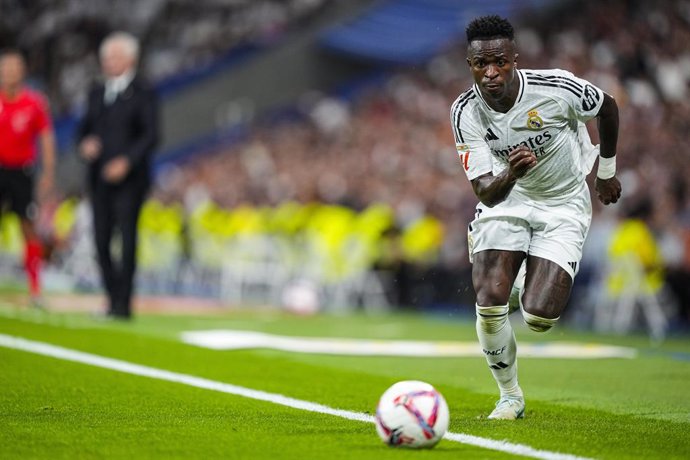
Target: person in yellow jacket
column 636, row 275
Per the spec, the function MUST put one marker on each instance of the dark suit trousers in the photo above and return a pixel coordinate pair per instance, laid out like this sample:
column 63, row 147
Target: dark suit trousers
column 116, row 212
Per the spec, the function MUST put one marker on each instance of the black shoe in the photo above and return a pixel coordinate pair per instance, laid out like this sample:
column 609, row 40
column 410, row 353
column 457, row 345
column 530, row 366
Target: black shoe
column 110, row 315
column 120, row 316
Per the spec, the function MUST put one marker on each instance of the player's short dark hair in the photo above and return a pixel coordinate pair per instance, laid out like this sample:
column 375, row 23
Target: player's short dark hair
column 488, row 28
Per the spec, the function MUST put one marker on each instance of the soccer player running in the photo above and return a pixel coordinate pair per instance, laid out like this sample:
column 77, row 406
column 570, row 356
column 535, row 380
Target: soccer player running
column 521, row 139
column 24, row 119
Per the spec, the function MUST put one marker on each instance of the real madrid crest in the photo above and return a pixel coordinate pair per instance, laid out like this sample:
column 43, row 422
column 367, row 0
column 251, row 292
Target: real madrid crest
column 534, row 121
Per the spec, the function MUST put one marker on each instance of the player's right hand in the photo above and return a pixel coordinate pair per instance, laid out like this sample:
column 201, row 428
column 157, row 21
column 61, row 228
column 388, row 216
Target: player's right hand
column 520, row 160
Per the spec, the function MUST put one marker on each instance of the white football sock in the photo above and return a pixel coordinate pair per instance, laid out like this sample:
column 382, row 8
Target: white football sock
column 498, row 343
column 537, row 323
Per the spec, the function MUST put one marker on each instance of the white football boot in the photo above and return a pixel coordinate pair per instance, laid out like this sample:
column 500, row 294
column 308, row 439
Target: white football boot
column 508, row 408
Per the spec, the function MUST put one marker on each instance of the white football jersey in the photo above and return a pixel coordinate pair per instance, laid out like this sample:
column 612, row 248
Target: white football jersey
column 548, row 117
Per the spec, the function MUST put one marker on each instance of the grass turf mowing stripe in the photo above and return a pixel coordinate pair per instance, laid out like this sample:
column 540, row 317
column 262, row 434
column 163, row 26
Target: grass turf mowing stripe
column 45, row 349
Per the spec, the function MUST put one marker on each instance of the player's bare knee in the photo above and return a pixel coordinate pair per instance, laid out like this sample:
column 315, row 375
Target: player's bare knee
column 493, row 293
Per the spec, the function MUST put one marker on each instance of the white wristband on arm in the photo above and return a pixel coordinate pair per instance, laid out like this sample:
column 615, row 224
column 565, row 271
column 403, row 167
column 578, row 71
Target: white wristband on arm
column 607, row 167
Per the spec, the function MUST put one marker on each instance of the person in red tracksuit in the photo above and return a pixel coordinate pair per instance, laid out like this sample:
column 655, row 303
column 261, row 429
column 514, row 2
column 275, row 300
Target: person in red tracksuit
column 24, row 120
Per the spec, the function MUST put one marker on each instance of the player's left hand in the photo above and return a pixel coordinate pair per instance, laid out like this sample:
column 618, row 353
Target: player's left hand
column 608, row 190
column 116, row 169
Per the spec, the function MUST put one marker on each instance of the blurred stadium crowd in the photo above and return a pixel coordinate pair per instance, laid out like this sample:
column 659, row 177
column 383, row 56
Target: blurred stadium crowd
column 180, row 35
column 346, row 186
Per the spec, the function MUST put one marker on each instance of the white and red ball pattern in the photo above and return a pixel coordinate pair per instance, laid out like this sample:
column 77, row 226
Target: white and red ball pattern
column 411, row 414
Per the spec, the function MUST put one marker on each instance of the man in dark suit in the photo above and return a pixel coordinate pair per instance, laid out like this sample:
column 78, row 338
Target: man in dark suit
column 117, row 137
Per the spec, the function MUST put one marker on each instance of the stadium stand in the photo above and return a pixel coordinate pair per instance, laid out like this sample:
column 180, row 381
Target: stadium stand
column 429, row 28
column 303, row 191
column 179, row 36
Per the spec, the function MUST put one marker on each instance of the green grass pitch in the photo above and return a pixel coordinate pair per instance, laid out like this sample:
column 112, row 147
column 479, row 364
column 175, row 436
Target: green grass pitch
column 50, row 408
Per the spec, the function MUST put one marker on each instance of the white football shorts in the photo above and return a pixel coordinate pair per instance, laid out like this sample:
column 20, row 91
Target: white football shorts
column 555, row 232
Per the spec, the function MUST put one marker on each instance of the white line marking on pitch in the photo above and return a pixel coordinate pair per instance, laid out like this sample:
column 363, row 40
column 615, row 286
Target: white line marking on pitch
column 222, row 339
column 45, row 349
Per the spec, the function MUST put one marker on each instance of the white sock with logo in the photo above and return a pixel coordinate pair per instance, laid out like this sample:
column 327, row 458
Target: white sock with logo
column 498, row 343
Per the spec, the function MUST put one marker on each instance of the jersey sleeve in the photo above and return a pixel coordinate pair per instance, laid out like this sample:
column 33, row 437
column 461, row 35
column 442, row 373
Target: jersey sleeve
column 472, row 149
column 583, row 98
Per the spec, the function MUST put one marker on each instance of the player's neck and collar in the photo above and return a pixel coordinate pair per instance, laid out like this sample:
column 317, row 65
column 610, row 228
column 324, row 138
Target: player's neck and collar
column 11, row 94
column 512, row 99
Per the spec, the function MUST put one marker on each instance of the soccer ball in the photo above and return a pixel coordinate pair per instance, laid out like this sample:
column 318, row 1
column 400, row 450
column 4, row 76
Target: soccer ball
column 411, row 414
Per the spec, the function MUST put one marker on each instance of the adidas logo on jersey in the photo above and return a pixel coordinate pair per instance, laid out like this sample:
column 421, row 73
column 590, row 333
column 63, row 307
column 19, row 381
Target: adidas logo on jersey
column 490, row 136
